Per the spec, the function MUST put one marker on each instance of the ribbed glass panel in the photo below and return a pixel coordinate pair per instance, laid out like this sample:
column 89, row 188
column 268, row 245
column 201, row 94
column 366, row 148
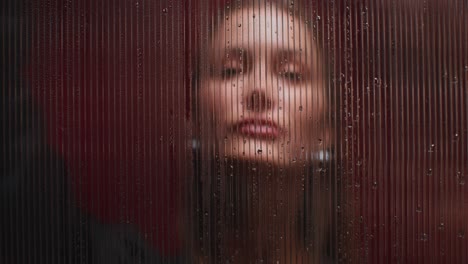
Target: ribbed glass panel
column 234, row 131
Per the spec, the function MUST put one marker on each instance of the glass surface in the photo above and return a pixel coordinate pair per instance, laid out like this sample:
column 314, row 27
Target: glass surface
column 234, row 131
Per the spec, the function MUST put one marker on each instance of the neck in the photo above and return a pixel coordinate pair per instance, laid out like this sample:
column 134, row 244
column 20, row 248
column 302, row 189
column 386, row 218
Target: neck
column 258, row 215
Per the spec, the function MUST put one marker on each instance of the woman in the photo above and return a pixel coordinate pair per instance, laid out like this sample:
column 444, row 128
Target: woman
column 267, row 128
column 261, row 136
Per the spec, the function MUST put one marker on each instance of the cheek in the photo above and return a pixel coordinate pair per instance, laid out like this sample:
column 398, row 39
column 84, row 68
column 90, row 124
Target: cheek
column 217, row 98
column 316, row 102
column 304, row 102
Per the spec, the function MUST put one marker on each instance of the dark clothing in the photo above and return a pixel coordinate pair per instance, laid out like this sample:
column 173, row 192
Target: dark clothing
column 39, row 220
column 40, row 223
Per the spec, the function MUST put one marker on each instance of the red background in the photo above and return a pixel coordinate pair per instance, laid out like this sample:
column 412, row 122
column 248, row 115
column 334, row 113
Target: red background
column 113, row 80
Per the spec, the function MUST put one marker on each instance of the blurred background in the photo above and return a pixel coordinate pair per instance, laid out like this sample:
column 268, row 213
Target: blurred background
column 96, row 108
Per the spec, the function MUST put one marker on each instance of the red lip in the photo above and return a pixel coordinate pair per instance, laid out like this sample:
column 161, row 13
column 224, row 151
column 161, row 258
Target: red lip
column 258, row 128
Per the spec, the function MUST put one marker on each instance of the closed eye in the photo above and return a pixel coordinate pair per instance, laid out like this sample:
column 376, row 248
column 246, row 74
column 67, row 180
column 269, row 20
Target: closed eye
column 292, row 76
column 228, row 73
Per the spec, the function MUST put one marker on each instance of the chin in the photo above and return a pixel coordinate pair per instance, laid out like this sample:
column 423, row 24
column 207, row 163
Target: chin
column 270, row 152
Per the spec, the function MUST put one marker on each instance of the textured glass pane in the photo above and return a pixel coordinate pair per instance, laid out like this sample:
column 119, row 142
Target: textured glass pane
column 234, row 131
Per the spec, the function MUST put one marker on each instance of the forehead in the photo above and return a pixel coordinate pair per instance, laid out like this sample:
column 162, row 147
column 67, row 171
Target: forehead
column 267, row 26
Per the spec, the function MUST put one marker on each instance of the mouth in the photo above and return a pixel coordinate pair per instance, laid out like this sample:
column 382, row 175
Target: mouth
column 258, row 128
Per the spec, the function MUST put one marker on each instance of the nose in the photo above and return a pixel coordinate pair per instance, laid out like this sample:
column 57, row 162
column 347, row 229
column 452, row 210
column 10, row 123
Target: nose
column 258, row 101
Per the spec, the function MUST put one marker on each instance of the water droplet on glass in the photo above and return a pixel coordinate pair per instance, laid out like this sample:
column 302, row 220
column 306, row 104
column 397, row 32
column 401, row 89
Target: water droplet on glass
column 254, row 169
column 165, row 10
column 239, row 25
column 460, row 178
column 441, row 226
column 419, row 209
column 368, row 89
column 377, row 81
column 424, row 237
column 431, row 148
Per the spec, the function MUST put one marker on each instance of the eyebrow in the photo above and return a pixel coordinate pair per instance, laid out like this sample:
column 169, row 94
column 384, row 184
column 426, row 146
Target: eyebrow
column 246, row 56
column 290, row 54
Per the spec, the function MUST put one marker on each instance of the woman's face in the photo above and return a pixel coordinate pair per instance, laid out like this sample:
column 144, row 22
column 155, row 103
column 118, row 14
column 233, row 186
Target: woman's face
column 261, row 92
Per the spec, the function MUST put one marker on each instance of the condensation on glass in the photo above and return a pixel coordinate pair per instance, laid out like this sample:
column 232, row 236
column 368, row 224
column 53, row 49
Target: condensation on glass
column 234, row 131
